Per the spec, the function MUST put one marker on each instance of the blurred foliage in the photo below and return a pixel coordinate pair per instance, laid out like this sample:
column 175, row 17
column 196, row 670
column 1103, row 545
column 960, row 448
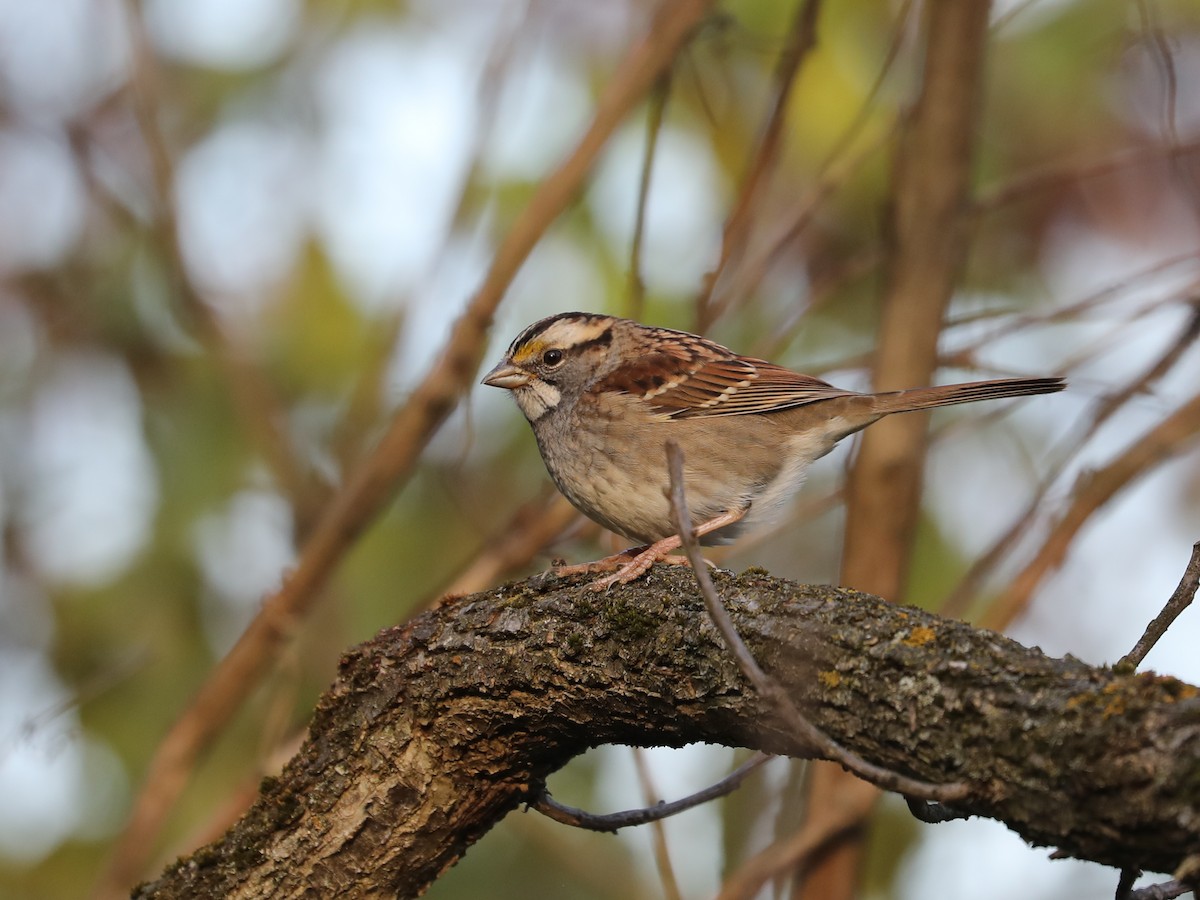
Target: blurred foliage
column 300, row 249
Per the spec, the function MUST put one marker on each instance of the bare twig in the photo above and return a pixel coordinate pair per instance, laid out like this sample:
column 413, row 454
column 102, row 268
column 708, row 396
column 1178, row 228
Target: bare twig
column 391, row 463
column 1180, row 600
column 1073, row 312
column 610, row 822
column 764, row 684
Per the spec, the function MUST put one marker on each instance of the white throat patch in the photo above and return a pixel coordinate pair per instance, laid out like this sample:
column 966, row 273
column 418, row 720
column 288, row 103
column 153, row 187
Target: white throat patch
column 537, row 398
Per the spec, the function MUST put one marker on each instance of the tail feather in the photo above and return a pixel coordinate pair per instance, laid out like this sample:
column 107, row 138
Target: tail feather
column 969, row 392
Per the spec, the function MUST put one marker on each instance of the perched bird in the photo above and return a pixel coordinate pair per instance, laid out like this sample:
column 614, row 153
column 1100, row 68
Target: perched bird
column 604, row 395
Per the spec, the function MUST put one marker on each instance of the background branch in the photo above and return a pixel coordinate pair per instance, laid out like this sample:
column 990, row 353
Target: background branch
column 927, row 242
column 390, row 463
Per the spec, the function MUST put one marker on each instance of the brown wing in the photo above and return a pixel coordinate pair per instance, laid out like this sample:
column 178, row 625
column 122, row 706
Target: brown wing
column 697, row 378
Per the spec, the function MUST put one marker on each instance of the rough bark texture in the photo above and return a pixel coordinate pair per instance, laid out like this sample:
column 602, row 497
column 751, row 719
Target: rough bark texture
column 437, row 729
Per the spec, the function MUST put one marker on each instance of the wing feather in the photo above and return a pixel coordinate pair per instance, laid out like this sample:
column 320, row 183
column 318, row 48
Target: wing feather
column 706, row 379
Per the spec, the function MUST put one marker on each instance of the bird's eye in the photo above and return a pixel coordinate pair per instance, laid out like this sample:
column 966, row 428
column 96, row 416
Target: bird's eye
column 552, row 357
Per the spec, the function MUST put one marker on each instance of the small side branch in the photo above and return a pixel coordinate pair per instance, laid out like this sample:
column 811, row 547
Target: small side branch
column 1180, row 600
column 610, row 822
column 765, row 685
column 1165, row 890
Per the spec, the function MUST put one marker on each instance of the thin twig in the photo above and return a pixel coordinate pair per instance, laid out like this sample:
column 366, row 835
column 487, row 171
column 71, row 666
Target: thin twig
column 764, row 684
column 1072, row 312
column 610, row 822
column 1180, row 600
column 834, row 171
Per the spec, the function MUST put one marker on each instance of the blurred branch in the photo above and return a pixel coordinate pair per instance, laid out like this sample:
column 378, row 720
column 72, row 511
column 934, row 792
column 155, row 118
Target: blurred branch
column 532, row 528
column 839, row 165
column 662, row 852
column 801, row 38
column 1165, row 59
column 391, row 463
column 841, row 818
column 927, row 241
column 437, row 729
column 959, row 600
column 260, row 411
column 1091, row 491
column 927, row 244
column 1036, row 182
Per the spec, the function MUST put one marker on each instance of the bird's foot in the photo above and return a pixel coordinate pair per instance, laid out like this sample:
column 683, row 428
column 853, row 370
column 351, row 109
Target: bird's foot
column 637, row 562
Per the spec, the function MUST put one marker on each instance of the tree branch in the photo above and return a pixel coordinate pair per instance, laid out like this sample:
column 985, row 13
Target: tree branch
column 437, row 729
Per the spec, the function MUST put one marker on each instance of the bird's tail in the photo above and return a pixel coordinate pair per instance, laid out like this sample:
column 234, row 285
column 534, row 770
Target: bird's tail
column 969, row 392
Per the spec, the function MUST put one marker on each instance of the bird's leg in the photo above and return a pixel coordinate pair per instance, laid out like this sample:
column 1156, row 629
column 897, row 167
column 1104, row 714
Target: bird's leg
column 616, row 561
column 645, row 557
column 607, row 564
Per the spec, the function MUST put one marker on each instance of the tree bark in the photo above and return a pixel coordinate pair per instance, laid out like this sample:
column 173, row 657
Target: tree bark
column 436, row 729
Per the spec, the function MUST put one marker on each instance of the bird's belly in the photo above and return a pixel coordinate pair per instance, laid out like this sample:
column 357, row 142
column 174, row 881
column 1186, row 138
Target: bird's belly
column 627, row 493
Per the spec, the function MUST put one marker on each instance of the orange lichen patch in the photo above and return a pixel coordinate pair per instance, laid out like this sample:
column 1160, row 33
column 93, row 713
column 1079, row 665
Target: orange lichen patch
column 1172, row 690
column 829, row 679
column 920, row 636
column 1184, row 691
column 1115, row 706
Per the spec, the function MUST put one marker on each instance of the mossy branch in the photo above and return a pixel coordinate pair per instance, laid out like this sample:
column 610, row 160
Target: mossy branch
column 436, row 729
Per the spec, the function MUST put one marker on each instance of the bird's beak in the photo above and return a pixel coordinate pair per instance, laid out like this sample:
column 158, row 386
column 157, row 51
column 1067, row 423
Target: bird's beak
column 507, row 376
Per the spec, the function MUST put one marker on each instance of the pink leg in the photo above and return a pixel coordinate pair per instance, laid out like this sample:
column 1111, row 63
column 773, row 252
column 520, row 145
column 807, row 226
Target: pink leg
column 637, row 566
column 607, row 564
